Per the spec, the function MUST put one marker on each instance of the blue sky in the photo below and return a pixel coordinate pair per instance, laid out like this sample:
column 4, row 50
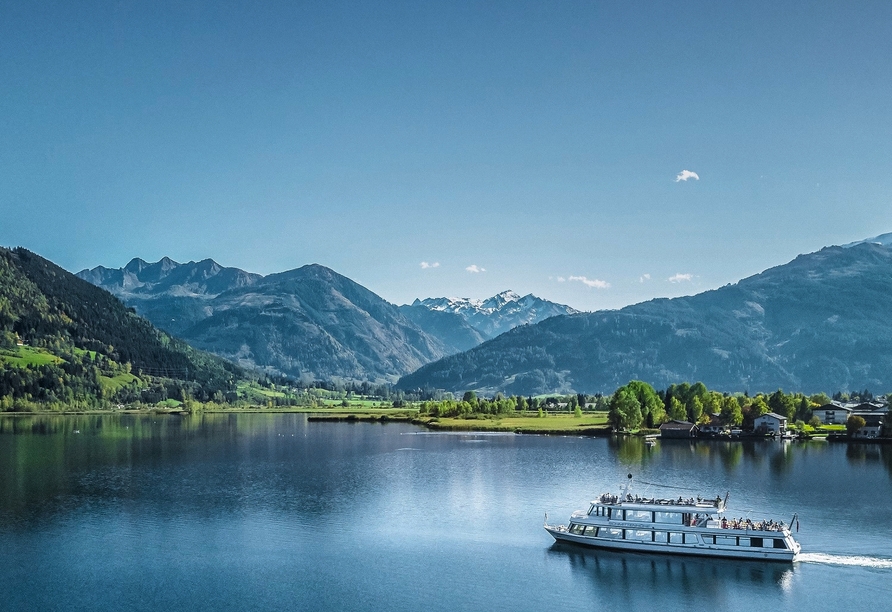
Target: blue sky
column 521, row 145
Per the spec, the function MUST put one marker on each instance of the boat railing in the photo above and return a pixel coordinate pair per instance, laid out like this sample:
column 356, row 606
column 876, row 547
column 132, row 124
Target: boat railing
column 743, row 524
column 698, row 502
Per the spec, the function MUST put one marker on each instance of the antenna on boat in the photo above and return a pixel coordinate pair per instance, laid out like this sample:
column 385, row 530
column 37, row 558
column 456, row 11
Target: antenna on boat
column 725, row 503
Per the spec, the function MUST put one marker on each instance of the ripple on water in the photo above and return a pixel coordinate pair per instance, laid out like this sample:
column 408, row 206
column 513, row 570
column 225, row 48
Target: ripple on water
column 847, row 560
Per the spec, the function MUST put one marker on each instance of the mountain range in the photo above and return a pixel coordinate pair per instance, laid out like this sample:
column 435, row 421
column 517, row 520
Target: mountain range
column 819, row 323
column 311, row 322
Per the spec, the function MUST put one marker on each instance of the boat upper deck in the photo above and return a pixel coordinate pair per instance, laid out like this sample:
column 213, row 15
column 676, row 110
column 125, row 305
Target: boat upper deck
column 681, row 504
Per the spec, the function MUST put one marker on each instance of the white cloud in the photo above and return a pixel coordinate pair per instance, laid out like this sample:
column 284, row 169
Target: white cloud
column 684, row 175
column 643, row 277
column 425, row 265
column 591, row 282
column 561, row 279
column 475, row 269
column 681, row 278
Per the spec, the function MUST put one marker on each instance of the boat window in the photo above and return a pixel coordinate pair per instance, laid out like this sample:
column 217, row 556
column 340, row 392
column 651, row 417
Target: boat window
column 616, row 514
column 590, row 530
column 591, row 508
column 746, row 542
column 668, row 517
column 676, row 537
column 661, row 536
column 639, row 516
column 610, row 532
column 726, row 540
column 691, row 538
column 641, row 535
column 577, row 529
column 754, row 542
column 778, row 543
column 709, row 539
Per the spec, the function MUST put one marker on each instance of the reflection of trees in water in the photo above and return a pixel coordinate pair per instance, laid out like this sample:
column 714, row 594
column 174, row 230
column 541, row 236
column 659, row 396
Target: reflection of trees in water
column 632, row 451
column 865, row 453
column 731, row 454
column 781, row 456
column 204, row 463
column 640, row 579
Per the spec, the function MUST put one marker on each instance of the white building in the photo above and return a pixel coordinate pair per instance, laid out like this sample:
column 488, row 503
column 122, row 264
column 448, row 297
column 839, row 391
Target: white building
column 833, row 413
column 770, row 422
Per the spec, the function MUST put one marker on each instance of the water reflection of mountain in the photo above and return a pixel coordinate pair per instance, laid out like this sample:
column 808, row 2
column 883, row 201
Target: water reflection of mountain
column 639, row 580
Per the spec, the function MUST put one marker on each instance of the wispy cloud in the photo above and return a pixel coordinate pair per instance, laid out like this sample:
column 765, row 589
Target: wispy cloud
column 475, row 269
column 684, row 175
column 681, row 278
column 643, row 277
column 591, row 282
column 425, row 265
column 561, row 279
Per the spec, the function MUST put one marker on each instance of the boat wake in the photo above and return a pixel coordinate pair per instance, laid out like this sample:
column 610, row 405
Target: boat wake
column 850, row 560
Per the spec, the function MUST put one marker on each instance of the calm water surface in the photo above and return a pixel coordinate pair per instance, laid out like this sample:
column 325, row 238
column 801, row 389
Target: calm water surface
column 270, row 512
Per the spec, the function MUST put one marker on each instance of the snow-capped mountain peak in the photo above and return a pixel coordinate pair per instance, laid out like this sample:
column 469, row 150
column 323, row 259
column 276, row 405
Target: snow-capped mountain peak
column 499, row 313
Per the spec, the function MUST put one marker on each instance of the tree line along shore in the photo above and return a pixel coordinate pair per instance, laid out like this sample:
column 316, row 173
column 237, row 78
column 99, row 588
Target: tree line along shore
column 635, row 408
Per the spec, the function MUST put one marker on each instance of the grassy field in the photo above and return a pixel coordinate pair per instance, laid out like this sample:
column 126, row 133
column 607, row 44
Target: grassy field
column 111, row 384
column 23, row 356
column 559, row 424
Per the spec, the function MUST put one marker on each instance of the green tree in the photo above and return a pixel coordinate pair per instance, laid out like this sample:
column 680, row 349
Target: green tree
column 819, row 399
column 677, row 410
column 648, row 400
column 853, row 424
column 731, row 414
column 695, row 409
column 713, row 403
column 625, row 410
column 782, row 404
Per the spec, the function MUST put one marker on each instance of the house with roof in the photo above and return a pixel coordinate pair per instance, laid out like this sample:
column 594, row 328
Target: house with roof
column 714, row 427
column 834, row 413
column 770, row 423
column 678, row 429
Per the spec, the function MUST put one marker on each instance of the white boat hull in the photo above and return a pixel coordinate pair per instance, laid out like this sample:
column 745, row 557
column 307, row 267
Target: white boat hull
column 700, row 550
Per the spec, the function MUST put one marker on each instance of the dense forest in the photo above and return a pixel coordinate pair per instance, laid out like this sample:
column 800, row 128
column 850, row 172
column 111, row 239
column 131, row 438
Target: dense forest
column 65, row 342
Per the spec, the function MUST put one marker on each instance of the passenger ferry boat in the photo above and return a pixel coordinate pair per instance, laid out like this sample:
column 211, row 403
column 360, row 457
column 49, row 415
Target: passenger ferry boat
column 693, row 526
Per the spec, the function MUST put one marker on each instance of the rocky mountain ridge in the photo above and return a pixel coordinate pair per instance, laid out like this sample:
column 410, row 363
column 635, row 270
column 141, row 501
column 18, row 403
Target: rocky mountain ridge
column 309, row 322
column 818, row 323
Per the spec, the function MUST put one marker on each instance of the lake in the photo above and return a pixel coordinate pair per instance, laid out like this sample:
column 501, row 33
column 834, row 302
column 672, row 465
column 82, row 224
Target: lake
column 272, row 512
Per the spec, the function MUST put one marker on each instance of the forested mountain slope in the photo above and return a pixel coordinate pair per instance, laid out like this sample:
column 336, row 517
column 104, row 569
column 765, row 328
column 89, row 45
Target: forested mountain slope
column 63, row 339
column 821, row 322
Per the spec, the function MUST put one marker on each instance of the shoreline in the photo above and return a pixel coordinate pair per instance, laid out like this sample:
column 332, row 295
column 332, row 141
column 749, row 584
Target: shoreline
column 559, row 425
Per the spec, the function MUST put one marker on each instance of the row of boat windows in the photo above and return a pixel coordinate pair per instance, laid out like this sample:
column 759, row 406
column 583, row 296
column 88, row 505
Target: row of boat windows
column 641, row 516
column 674, row 537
